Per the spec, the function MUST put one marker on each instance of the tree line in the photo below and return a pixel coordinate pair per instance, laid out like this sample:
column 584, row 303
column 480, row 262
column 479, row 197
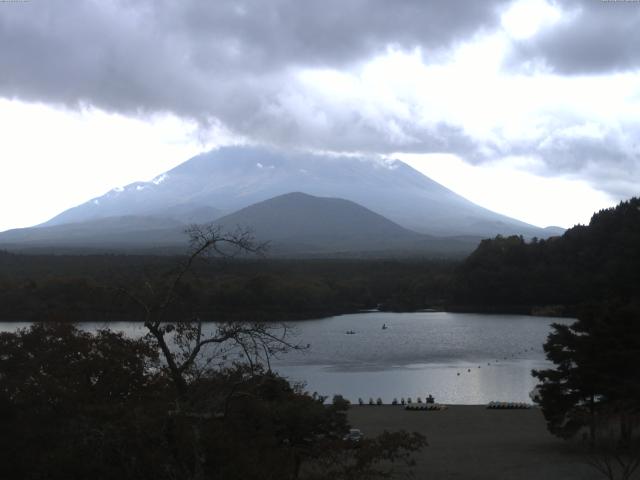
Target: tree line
column 85, row 288
column 589, row 263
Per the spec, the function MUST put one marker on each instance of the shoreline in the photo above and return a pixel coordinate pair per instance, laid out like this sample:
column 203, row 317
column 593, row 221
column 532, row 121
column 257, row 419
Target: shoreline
column 280, row 317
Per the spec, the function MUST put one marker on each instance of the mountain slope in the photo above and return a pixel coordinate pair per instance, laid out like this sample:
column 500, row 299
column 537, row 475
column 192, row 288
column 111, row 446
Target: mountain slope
column 126, row 232
column 297, row 221
column 229, row 179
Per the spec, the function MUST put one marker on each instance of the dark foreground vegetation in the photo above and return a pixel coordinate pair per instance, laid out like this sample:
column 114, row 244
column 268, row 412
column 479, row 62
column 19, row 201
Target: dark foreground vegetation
column 183, row 401
column 593, row 392
column 75, row 405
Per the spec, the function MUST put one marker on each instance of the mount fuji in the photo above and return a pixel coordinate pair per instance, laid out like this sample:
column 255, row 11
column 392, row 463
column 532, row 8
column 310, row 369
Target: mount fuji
column 220, row 182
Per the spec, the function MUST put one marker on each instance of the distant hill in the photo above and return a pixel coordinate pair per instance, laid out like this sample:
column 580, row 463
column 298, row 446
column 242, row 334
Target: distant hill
column 596, row 262
column 229, row 179
column 297, row 222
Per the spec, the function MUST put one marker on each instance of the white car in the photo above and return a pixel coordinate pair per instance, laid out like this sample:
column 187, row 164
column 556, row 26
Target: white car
column 354, row 435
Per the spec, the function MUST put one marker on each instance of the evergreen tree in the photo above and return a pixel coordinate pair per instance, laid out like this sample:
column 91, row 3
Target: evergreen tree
column 596, row 371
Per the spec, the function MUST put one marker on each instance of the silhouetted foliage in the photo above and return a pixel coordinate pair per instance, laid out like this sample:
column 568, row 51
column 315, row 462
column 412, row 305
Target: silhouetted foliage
column 77, row 405
column 598, row 262
column 595, row 385
column 80, row 288
column 175, row 404
column 80, row 405
column 596, row 368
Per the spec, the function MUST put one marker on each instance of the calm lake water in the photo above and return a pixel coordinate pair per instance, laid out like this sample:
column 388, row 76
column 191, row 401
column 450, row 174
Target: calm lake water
column 459, row 358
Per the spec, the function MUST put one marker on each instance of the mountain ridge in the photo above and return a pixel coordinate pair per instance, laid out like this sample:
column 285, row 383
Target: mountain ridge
column 232, row 178
column 302, row 203
column 293, row 224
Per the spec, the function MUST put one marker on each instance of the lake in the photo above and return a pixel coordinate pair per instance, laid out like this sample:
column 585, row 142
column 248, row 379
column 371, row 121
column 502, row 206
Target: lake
column 459, row 358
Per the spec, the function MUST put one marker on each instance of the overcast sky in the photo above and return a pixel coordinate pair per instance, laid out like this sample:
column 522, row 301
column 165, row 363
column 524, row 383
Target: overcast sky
column 527, row 107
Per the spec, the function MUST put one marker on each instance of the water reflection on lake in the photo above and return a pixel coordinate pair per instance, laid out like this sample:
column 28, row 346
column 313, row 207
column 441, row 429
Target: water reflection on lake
column 458, row 358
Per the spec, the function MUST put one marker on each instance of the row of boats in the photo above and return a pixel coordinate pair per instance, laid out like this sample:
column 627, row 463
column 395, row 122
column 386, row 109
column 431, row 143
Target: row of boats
column 426, row 407
column 508, row 405
column 438, row 406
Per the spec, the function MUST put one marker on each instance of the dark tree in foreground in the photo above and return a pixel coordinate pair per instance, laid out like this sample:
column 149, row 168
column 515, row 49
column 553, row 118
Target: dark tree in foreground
column 178, row 330
column 594, row 390
column 75, row 405
column 191, row 350
column 189, row 400
column 79, row 405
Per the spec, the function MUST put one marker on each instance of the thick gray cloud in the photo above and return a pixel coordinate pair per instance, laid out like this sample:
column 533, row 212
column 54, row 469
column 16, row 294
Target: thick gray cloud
column 229, row 63
column 237, row 64
column 595, row 36
column 610, row 162
column 219, row 59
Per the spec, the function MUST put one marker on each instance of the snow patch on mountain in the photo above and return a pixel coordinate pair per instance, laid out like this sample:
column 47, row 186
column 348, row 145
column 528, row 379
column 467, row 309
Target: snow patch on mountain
column 160, row 178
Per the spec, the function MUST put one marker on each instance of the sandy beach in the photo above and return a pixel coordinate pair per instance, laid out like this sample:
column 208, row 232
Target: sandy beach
column 472, row 442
